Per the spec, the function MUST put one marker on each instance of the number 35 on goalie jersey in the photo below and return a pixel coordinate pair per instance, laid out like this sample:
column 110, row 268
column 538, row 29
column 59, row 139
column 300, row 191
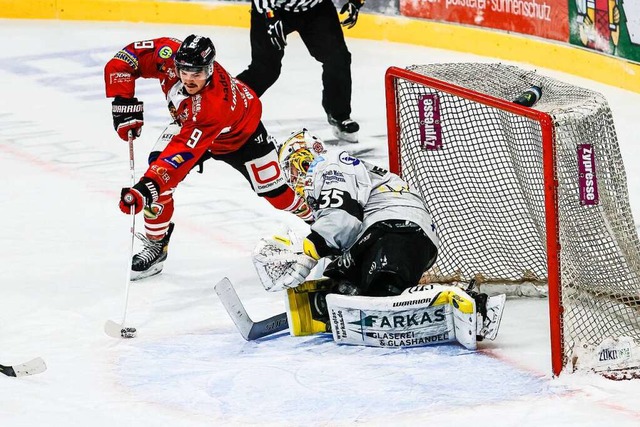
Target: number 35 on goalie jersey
column 347, row 195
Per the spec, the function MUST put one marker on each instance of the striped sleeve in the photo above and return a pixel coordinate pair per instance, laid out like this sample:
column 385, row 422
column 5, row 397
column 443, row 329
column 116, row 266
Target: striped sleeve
column 289, row 5
column 263, row 5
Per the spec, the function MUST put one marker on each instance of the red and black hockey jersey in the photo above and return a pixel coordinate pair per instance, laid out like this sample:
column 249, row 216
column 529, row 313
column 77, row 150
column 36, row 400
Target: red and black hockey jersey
column 150, row 59
column 220, row 119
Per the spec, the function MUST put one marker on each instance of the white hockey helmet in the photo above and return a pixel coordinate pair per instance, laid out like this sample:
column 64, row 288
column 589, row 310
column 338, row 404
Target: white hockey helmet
column 296, row 155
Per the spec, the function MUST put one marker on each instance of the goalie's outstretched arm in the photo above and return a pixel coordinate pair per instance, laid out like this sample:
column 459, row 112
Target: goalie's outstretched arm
column 279, row 264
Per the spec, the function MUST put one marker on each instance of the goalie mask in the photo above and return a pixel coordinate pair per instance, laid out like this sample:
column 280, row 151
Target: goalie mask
column 296, row 155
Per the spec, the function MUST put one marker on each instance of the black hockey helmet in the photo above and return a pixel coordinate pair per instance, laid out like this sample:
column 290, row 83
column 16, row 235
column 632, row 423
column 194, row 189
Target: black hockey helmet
column 196, row 53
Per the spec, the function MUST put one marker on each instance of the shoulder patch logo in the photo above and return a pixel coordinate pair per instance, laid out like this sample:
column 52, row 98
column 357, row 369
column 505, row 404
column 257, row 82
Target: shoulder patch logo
column 348, row 160
column 318, row 147
column 165, row 52
column 128, row 57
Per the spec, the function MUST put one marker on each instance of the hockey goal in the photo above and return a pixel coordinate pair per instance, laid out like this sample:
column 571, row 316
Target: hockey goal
column 525, row 196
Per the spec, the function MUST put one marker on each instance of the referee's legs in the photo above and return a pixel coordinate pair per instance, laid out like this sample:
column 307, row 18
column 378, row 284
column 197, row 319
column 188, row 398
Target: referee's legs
column 325, row 41
column 266, row 59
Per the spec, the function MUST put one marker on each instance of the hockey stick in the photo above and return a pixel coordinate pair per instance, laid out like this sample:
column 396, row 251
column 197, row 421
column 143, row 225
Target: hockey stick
column 32, row 367
column 111, row 328
column 249, row 329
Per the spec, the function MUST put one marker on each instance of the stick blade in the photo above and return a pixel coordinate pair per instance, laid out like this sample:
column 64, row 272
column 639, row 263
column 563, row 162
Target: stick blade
column 116, row 330
column 272, row 325
column 249, row 329
column 112, row 329
column 32, row 367
column 234, row 307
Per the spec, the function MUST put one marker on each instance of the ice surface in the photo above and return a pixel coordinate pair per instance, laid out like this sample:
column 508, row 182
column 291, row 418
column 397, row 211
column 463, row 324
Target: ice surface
column 64, row 250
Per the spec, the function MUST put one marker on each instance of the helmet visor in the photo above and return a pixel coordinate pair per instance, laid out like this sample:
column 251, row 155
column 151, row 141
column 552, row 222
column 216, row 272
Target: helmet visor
column 206, row 70
column 190, row 67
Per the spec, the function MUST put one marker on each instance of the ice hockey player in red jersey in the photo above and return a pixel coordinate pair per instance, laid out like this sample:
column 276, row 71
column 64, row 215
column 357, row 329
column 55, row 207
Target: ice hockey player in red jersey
column 213, row 115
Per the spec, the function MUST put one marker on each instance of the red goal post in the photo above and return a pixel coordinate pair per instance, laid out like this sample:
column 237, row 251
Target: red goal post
column 432, row 150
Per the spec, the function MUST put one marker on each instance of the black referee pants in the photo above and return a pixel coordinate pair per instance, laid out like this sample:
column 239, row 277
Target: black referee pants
column 321, row 33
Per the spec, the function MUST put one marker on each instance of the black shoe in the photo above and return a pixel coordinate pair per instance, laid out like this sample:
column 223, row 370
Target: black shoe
column 149, row 261
column 345, row 129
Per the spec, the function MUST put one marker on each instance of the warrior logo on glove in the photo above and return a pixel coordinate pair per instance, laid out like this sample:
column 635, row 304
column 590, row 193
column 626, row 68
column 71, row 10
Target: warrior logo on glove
column 139, row 196
column 127, row 116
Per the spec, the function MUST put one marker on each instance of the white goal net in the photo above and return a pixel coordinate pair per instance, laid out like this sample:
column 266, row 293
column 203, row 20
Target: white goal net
column 525, row 195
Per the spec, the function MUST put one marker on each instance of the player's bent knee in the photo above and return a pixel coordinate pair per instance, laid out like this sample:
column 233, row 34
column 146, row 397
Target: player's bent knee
column 282, row 198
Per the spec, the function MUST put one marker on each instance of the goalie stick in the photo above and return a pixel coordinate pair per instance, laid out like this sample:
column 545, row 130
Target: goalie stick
column 32, row 367
column 249, row 329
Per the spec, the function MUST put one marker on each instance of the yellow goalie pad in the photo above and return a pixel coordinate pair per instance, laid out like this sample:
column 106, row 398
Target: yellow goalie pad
column 302, row 315
column 463, row 303
column 299, row 311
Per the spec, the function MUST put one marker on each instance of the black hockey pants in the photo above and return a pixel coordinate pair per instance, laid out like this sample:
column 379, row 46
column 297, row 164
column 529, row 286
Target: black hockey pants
column 389, row 257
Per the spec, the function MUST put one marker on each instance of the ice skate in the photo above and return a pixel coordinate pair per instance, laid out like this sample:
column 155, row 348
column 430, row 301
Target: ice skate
column 149, row 261
column 346, row 130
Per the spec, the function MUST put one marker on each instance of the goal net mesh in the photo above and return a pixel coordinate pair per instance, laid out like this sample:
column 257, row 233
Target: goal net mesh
column 479, row 169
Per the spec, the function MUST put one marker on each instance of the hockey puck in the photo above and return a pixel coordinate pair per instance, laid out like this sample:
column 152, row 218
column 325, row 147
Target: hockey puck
column 128, row 332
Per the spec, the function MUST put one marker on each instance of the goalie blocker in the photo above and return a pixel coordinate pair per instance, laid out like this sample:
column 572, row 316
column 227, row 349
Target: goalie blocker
column 422, row 315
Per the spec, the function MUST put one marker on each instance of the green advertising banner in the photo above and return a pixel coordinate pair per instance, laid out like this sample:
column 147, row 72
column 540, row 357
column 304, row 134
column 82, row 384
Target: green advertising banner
column 608, row 26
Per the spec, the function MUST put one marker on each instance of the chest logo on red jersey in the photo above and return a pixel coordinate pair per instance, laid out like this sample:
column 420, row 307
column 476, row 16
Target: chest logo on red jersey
column 178, row 159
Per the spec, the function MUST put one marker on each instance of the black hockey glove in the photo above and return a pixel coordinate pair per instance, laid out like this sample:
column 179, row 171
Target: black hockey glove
column 275, row 30
column 352, row 8
column 127, row 116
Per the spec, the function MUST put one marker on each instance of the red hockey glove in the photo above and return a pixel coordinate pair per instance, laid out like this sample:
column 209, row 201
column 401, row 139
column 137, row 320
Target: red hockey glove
column 127, row 116
column 140, row 195
column 352, row 7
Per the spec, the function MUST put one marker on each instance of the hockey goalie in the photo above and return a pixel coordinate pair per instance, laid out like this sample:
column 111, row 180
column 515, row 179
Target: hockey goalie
column 377, row 238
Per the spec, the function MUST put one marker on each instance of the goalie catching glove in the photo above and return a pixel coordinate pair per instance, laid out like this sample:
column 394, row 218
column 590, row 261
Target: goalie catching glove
column 280, row 262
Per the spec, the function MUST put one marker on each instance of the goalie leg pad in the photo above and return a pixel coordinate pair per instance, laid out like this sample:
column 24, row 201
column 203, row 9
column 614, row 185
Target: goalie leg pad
column 306, row 308
column 491, row 322
column 406, row 320
column 422, row 315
